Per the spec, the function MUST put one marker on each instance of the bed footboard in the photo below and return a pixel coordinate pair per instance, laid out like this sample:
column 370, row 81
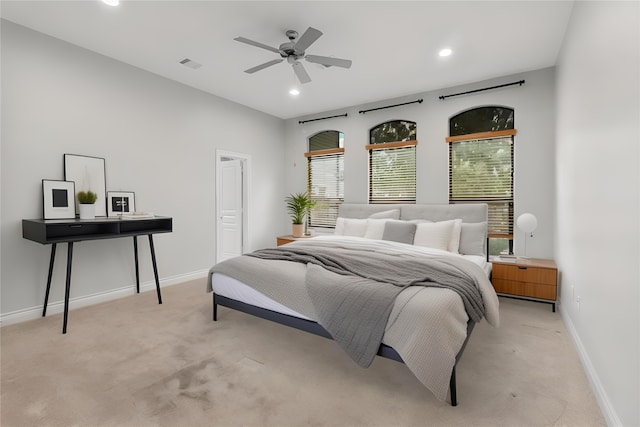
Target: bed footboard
column 315, row 328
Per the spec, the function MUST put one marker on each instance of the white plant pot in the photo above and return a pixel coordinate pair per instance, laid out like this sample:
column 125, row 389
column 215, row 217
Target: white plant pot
column 87, row 211
column 298, row 230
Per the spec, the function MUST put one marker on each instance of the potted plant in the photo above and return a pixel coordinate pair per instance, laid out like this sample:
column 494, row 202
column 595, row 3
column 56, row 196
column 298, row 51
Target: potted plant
column 298, row 206
column 86, row 203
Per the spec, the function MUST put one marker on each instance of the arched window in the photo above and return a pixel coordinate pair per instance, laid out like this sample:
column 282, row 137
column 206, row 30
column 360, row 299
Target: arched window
column 481, row 167
column 392, row 162
column 481, row 119
column 325, row 176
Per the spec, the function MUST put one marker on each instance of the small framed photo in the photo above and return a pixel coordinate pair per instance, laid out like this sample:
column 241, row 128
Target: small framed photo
column 58, row 199
column 120, row 202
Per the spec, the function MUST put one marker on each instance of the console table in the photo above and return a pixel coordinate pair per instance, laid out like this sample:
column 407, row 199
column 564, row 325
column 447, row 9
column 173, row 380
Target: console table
column 54, row 231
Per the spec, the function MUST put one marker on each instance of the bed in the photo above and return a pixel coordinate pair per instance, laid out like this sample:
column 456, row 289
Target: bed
column 405, row 282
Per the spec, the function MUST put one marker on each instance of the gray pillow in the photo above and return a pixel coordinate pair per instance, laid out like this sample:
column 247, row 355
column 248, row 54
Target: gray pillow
column 399, row 231
column 473, row 238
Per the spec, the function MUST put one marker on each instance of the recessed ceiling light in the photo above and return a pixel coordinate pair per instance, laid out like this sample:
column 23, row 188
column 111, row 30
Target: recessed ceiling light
column 445, row 52
column 111, row 2
column 294, row 92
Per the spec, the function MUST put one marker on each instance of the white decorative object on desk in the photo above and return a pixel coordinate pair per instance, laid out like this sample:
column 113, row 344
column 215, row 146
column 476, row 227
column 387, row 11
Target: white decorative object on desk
column 86, row 204
column 137, row 215
column 87, row 211
column 528, row 223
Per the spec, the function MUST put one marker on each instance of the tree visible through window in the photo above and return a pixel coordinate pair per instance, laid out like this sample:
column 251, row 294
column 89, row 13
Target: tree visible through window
column 481, row 167
column 392, row 162
column 325, row 178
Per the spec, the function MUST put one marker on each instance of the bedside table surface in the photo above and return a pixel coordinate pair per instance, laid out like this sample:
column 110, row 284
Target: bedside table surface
column 527, row 262
column 283, row 240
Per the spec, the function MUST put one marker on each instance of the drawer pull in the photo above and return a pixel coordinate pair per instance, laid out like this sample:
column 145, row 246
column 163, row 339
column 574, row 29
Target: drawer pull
column 522, row 268
column 75, row 226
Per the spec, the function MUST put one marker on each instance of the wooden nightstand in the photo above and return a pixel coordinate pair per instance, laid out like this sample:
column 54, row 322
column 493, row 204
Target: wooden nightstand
column 283, row 240
column 526, row 278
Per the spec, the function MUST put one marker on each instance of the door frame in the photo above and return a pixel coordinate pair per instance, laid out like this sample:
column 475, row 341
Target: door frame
column 246, row 179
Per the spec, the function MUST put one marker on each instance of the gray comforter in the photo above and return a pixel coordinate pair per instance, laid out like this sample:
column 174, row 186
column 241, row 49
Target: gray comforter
column 355, row 309
column 427, row 325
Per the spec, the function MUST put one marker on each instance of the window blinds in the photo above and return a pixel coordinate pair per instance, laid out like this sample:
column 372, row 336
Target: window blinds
column 326, row 187
column 392, row 173
column 481, row 171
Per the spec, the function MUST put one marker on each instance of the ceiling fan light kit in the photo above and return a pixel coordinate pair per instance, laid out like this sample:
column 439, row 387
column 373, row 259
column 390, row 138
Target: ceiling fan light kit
column 293, row 51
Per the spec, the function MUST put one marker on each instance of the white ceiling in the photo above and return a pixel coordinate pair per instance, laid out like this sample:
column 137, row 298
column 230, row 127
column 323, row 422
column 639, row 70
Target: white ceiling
column 394, row 45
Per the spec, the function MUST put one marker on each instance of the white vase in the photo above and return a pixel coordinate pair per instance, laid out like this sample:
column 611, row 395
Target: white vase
column 87, row 211
column 298, row 230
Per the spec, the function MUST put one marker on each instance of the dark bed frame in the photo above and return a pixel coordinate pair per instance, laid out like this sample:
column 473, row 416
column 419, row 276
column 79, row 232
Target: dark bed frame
column 315, row 328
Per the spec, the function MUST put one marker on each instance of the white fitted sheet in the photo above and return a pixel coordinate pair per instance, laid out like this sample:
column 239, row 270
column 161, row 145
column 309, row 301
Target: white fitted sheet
column 235, row 289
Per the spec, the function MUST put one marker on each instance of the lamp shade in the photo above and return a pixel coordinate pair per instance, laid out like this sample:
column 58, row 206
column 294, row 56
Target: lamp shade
column 527, row 222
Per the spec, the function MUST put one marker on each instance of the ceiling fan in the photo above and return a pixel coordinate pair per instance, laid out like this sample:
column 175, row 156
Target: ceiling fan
column 293, row 51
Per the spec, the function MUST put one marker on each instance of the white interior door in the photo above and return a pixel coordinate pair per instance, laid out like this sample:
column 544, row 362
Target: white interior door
column 231, row 208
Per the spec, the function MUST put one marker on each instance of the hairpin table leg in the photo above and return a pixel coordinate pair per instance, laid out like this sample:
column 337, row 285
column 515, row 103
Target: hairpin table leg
column 46, row 294
column 155, row 267
column 67, row 287
column 135, row 254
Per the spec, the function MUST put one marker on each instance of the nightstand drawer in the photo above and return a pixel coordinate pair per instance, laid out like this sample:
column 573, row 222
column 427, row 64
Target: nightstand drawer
column 527, row 278
column 527, row 289
column 518, row 273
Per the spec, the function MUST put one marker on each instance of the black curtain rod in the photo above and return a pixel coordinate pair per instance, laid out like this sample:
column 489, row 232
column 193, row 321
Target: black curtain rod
column 321, row 118
column 521, row 82
column 419, row 101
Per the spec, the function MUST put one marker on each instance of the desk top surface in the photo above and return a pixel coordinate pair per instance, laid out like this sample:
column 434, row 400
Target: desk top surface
column 47, row 231
column 97, row 220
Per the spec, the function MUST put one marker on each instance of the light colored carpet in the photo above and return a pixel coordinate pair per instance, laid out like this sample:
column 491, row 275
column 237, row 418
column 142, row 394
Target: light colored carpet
column 132, row 362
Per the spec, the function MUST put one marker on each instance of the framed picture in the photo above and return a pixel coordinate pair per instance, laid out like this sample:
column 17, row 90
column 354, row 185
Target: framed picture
column 58, row 199
column 120, row 202
column 88, row 174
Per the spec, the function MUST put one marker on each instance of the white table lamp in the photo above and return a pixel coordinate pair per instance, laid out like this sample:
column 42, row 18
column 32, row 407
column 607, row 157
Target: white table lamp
column 528, row 223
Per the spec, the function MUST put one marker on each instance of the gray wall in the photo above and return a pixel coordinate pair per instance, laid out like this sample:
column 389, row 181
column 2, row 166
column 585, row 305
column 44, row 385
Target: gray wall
column 598, row 198
column 159, row 140
column 534, row 146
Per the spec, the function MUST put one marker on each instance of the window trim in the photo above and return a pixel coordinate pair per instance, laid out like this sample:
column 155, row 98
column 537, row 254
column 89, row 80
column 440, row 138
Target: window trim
column 482, row 135
column 390, row 145
column 326, row 152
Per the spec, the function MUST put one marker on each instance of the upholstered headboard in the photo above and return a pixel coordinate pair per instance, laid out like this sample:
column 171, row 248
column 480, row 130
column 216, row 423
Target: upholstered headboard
column 473, row 236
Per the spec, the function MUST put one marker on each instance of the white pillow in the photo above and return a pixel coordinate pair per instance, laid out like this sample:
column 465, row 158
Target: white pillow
column 354, row 227
column 375, row 228
column 390, row 214
column 339, row 230
column 433, row 234
column 454, row 241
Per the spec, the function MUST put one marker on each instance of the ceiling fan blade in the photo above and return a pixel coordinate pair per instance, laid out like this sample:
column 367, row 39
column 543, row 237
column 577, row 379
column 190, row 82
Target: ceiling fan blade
column 307, row 39
column 325, row 60
column 257, row 44
column 263, row 66
column 301, row 73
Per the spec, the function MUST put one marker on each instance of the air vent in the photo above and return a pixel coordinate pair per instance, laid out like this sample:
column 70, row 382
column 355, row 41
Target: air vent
column 191, row 64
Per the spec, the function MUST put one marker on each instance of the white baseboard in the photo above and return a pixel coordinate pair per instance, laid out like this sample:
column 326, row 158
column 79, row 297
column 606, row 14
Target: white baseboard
column 608, row 411
column 86, row 300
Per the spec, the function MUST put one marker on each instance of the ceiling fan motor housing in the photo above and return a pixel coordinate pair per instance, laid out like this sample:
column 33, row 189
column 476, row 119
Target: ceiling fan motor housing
column 288, row 49
column 293, row 51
